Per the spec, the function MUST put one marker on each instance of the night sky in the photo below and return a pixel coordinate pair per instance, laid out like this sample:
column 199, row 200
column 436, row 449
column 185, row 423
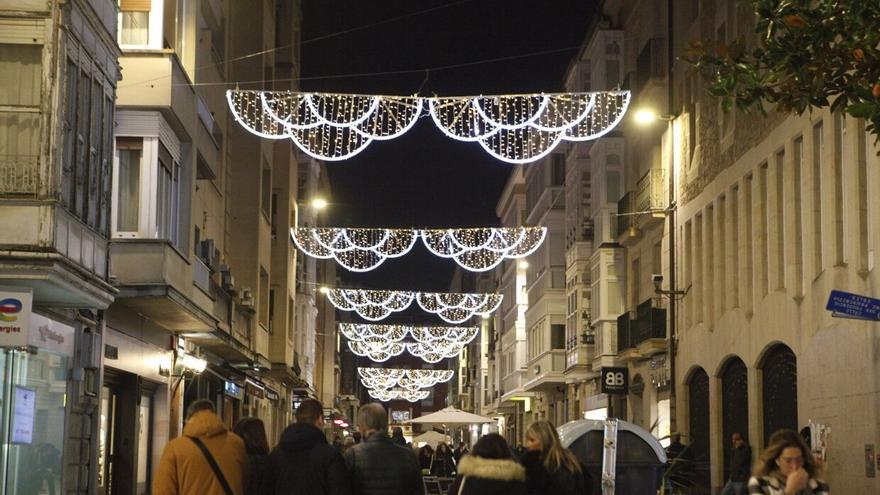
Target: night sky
column 425, row 179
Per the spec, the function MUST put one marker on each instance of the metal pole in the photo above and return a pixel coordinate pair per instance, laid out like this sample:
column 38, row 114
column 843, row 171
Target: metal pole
column 670, row 60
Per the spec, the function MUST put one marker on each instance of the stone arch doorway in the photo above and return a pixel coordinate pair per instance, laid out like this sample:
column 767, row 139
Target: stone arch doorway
column 698, row 426
column 734, row 405
column 779, row 404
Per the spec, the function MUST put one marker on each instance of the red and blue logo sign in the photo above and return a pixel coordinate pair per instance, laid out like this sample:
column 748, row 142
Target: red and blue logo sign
column 9, row 308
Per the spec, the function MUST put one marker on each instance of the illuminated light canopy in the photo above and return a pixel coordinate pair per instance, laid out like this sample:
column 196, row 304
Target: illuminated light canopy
column 376, row 354
column 481, row 249
column 457, row 307
column 434, row 352
column 358, row 250
column 413, row 380
column 398, row 394
column 475, row 249
column 375, row 305
column 396, row 333
column 517, row 128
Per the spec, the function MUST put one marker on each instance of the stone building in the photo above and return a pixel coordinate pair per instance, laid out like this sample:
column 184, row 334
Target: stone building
column 58, row 79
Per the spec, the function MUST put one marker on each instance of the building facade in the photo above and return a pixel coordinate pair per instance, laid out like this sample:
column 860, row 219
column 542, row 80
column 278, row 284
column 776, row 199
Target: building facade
column 59, row 79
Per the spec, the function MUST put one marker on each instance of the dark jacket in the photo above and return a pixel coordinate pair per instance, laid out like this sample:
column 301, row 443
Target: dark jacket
column 303, row 463
column 481, row 476
column 442, row 465
column 562, row 482
column 741, row 463
column 379, row 467
column 256, row 472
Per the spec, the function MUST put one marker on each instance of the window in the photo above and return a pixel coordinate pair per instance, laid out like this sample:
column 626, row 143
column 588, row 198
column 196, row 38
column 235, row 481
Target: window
column 557, row 336
column 167, row 196
column 129, row 152
column 271, row 310
column 266, row 189
column 20, row 80
column 558, row 171
column 816, row 197
column 264, row 298
column 797, row 171
column 134, row 25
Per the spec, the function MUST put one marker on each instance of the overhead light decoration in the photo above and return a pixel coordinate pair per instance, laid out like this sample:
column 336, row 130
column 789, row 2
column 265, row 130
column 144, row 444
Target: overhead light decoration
column 376, row 305
column 408, row 379
column 456, row 307
column 516, row 128
column 358, row 250
column 475, row 249
column 378, row 354
column 396, row 333
column 393, row 394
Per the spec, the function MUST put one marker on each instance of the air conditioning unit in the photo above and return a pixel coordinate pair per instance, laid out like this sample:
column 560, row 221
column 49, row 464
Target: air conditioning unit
column 227, row 281
column 215, row 262
column 247, row 298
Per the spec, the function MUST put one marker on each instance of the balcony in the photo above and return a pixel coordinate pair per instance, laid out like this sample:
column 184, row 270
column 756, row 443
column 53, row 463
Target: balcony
column 19, row 175
column 545, row 371
column 650, row 66
column 641, row 209
column 157, row 281
column 168, row 87
column 643, row 336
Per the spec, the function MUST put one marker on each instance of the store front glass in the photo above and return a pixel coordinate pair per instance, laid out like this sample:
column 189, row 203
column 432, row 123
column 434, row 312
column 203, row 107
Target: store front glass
column 33, row 400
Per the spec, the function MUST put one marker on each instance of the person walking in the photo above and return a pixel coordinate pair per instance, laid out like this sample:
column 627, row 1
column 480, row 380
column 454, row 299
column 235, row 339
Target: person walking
column 397, row 436
column 303, row 462
column 378, row 466
column 426, row 456
column 443, row 464
column 252, row 431
column 740, row 465
column 787, row 467
column 490, row 469
column 207, row 460
column 459, row 452
column 552, row 469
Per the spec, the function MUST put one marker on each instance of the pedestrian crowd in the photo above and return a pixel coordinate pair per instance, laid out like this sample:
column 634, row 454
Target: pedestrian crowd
column 209, row 459
column 785, row 467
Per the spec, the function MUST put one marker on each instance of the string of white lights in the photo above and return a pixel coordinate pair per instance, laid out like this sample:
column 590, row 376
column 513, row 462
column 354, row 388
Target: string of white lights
column 379, row 350
column 475, row 249
column 376, row 305
column 518, row 128
column 396, row 333
column 393, row 394
column 409, row 379
column 358, row 250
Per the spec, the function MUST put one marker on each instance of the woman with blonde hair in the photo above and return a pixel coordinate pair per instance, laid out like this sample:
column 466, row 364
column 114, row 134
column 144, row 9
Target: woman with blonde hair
column 787, row 467
column 551, row 468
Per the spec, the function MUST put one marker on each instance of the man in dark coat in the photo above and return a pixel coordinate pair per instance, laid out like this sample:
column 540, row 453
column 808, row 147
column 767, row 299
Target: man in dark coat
column 303, row 462
column 740, row 467
column 377, row 465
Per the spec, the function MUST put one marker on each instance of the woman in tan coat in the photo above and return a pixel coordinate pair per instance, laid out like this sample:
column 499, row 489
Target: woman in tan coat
column 184, row 469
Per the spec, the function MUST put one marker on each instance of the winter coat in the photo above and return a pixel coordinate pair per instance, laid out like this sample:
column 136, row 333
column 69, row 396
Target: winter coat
column 304, row 463
column 481, row 476
column 773, row 485
column 379, row 467
column 183, row 469
column 256, row 472
column 442, row 465
column 561, row 482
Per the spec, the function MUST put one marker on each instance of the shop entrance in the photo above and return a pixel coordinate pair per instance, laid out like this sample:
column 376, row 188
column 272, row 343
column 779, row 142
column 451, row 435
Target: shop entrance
column 124, row 443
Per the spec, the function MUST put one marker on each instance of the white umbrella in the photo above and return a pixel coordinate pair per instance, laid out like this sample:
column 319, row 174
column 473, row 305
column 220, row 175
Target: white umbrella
column 451, row 416
column 431, row 438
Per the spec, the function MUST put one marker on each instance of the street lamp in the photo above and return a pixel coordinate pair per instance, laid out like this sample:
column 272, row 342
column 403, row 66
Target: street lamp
column 319, row 203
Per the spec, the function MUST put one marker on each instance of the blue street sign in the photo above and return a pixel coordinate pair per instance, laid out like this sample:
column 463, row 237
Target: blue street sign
column 847, row 305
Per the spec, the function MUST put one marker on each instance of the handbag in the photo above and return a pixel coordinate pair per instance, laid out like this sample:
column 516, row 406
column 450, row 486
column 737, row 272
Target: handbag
column 210, row 458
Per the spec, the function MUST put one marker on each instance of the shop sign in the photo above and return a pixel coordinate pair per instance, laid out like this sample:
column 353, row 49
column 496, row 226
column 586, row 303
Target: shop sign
column 15, row 316
column 271, row 394
column 615, row 380
column 254, row 390
column 23, row 415
column 50, row 335
column 233, row 390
